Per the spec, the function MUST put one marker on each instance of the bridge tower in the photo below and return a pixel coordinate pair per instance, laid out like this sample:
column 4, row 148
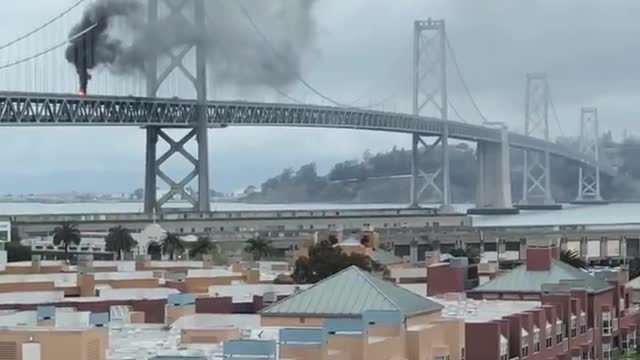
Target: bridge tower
column 536, row 187
column 430, row 97
column 193, row 13
column 589, row 177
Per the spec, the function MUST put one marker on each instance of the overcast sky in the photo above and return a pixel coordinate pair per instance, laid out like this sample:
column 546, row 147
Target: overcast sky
column 361, row 54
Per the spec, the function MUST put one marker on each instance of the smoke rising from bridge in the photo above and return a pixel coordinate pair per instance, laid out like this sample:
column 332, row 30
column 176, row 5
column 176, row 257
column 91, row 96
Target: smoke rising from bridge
column 236, row 54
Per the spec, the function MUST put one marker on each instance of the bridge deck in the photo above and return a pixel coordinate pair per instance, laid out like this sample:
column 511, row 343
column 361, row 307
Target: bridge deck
column 26, row 109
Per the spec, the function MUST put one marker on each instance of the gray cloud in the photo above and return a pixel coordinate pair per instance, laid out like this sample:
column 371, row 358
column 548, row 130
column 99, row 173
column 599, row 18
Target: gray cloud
column 362, row 51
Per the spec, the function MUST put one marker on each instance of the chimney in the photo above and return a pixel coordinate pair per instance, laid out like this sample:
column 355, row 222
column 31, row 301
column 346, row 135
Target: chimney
column 86, row 284
column 85, row 264
column 540, row 258
column 35, row 264
column 432, row 257
column 142, row 262
column 444, row 278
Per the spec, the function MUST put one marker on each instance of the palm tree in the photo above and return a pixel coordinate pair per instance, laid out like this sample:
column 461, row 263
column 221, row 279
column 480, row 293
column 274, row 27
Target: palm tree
column 203, row 246
column 572, row 258
column 120, row 241
column 259, row 247
column 67, row 233
column 172, row 245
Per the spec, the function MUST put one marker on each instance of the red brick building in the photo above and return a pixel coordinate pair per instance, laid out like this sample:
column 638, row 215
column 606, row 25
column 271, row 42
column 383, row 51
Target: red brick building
column 572, row 313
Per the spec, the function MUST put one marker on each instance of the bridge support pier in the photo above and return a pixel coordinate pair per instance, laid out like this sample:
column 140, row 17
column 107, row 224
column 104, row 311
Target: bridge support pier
column 589, row 177
column 430, row 95
column 536, row 172
column 430, row 180
column 198, row 77
column 150, row 175
column 493, row 194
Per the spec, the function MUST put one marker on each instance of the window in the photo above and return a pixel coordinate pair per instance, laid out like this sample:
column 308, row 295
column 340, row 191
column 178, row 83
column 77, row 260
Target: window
column 585, row 355
column 559, row 331
column 606, row 323
column 632, row 339
column 606, row 351
column 442, row 357
column 574, row 326
column 536, row 340
column 625, row 342
column 462, row 354
column 583, row 323
column 524, row 343
column 504, row 348
column 549, row 341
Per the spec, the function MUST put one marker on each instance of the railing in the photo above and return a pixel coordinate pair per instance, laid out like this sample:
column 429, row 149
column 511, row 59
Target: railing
column 30, row 109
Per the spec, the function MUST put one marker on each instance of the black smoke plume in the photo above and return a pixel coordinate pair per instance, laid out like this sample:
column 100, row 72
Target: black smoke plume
column 237, row 54
column 91, row 44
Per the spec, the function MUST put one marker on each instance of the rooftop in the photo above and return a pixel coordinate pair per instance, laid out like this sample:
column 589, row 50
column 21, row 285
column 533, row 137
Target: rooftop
column 349, row 293
column 521, row 280
column 386, row 258
column 483, row 310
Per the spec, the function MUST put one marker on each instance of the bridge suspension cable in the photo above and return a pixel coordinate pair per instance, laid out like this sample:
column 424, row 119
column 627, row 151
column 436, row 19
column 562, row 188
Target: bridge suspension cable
column 464, row 83
column 555, row 113
column 455, row 111
column 299, row 77
column 43, row 26
column 46, row 51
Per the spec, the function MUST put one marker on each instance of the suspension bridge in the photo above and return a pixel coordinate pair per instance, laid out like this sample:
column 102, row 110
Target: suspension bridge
column 34, row 91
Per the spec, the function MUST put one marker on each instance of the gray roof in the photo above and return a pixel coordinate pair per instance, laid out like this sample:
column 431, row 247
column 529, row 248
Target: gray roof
column 349, row 293
column 386, row 258
column 521, row 280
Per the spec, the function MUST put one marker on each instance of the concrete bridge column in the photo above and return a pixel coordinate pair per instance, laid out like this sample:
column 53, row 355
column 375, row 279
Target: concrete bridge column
column 493, row 194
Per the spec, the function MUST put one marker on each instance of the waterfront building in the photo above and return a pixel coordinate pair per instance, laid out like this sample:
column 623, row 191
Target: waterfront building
column 576, row 313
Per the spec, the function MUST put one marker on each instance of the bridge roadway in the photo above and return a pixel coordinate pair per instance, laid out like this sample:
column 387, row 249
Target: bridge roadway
column 31, row 109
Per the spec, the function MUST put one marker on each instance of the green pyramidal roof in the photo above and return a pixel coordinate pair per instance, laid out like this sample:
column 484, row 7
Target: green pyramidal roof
column 522, row 280
column 386, row 258
column 349, row 293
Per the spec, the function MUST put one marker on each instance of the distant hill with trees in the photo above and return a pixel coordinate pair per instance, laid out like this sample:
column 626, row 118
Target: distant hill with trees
column 369, row 179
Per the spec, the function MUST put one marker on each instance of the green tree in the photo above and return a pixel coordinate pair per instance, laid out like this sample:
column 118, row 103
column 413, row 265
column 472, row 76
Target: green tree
column 67, row 234
column 138, row 194
column 471, row 253
column 259, row 248
column 172, row 245
column 572, row 258
column 325, row 260
column 17, row 252
column 204, row 246
column 120, row 241
column 634, row 268
column 632, row 356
